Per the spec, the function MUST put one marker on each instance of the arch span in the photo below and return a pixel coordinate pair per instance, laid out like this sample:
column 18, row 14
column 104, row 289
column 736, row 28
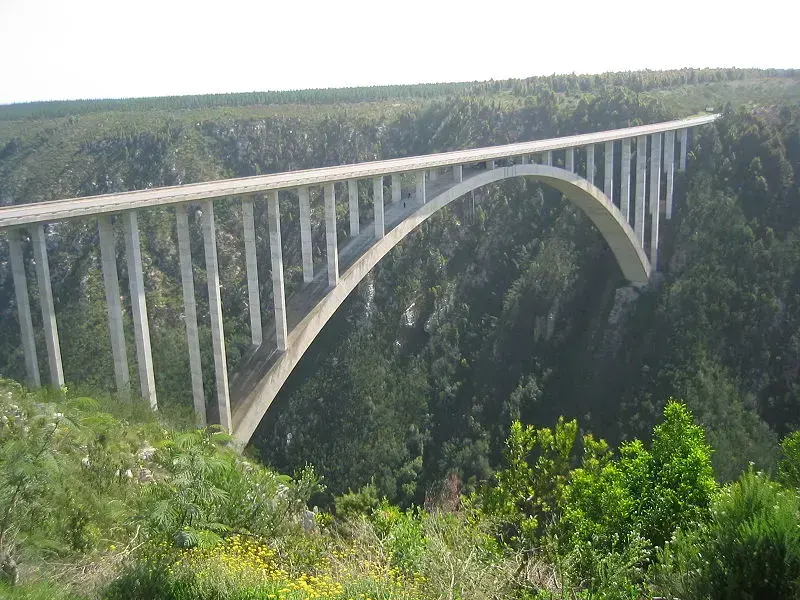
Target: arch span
column 583, row 194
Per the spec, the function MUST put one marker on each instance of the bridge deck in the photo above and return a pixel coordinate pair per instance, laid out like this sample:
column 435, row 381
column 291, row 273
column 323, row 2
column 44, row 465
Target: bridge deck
column 37, row 212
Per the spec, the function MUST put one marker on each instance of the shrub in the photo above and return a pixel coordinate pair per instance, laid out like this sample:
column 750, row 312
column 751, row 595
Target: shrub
column 750, row 549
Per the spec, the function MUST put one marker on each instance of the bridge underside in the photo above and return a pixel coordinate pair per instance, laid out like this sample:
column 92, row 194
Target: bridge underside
column 262, row 373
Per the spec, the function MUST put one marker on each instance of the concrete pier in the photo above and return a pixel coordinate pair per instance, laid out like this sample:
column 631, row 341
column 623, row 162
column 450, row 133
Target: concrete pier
column 215, row 312
column 458, row 173
column 590, row 164
column 625, row 181
column 46, row 302
column 141, row 327
column 490, row 165
column 276, row 264
column 548, row 158
column 190, row 314
column 669, row 168
column 608, row 177
column 655, row 196
column 116, row 329
column 251, row 262
column 23, row 308
column 352, row 199
column 569, row 159
column 305, row 233
column 420, row 191
column 332, row 249
column 683, row 138
column 641, row 174
column 397, row 188
column 433, row 174
column 377, row 200
column 524, row 159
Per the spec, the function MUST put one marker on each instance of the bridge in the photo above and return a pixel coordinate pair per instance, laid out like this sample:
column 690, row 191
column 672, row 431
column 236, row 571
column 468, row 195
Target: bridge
column 637, row 187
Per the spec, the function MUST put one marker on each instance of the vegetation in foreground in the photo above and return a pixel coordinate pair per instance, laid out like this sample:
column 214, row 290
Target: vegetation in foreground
column 97, row 504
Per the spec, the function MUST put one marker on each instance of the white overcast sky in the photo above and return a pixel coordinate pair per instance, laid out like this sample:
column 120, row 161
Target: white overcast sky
column 64, row 49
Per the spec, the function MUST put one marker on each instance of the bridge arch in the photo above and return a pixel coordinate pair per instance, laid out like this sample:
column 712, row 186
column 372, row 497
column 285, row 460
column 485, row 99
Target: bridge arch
column 580, row 192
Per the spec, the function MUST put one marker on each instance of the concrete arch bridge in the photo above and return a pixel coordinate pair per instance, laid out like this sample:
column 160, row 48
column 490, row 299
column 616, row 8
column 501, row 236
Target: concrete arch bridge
column 624, row 197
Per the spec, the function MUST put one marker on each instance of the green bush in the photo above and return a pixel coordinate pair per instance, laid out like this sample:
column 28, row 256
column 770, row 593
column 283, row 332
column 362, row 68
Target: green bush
column 402, row 532
column 789, row 465
column 750, row 549
column 644, row 493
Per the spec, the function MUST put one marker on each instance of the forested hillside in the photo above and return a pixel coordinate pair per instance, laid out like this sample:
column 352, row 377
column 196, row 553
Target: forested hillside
column 416, row 392
column 514, row 311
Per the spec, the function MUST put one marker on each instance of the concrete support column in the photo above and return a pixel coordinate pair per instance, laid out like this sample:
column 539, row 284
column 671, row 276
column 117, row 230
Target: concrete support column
column 524, row 159
column 46, row 302
column 420, row 188
column 669, row 167
column 276, row 257
column 116, row 330
column 251, row 261
column 397, row 188
column 215, row 311
column 608, row 178
column 490, row 165
column 305, row 232
column 569, row 160
column 352, row 196
column 141, row 327
column 590, row 164
column 377, row 200
column 625, row 181
column 683, row 138
column 458, row 173
column 330, row 235
column 433, row 174
column 655, row 196
column 548, row 158
column 23, row 308
column 190, row 314
column 641, row 173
